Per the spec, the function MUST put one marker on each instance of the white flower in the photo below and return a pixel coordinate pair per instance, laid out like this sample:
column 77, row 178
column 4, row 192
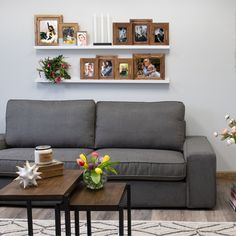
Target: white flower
column 215, row 134
column 233, row 130
column 231, row 121
column 227, row 116
column 230, row 141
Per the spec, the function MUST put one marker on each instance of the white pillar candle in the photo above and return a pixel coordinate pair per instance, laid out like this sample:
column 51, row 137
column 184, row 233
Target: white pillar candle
column 102, row 29
column 95, row 28
column 108, row 29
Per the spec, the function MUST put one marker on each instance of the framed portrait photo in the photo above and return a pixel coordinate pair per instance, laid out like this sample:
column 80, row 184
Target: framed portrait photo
column 82, row 38
column 159, row 34
column 68, row 33
column 106, row 67
column 47, row 29
column 149, row 66
column 122, row 34
column 124, row 68
column 88, row 68
column 141, row 31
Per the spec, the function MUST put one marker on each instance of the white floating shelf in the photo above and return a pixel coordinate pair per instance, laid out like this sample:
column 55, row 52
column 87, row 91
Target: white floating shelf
column 90, row 81
column 115, row 47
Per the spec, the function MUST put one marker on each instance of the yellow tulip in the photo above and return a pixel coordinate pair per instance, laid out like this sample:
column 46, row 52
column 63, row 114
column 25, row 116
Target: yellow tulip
column 98, row 170
column 106, row 158
column 83, row 157
column 85, row 165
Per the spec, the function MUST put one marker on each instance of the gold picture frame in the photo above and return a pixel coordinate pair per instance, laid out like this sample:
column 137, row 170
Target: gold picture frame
column 159, row 34
column 122, row 33
column 68, row 33
column 124, row 69
column 88, row 68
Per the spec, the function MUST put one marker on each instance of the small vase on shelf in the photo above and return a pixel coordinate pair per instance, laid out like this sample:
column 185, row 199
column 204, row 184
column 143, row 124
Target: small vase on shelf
column 94, row 182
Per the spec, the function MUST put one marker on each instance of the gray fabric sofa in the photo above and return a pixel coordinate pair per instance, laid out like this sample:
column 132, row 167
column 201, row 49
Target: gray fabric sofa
column 164, row 167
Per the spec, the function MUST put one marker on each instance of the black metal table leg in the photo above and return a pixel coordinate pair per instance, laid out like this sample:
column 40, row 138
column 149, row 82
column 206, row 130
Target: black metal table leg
column 76, row 222
column 30, row 219
column 129, row 209
column 89, row 231
column 58, row 220
column 121, row 221
column 67, row 216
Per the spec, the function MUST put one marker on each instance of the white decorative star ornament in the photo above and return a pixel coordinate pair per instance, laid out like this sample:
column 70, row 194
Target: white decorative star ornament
column 28, row 175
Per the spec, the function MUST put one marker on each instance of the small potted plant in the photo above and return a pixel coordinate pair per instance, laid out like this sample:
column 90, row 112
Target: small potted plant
column 95, row 169
column 55, row 69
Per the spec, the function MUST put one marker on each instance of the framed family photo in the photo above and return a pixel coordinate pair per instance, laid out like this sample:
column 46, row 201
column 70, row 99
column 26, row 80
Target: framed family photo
column 124, row 68
column 106, row 67
column 88, row 68
column 82, row 38
column 47, row 29
column 149, row 66
column 68, row 33
column 159, row 34
column 122, row 34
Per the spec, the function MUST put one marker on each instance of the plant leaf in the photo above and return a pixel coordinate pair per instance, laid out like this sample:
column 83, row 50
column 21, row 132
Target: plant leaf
column 95, row 177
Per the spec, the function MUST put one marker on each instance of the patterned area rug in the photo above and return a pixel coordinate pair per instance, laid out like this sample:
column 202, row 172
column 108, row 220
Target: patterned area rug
column 18, row 227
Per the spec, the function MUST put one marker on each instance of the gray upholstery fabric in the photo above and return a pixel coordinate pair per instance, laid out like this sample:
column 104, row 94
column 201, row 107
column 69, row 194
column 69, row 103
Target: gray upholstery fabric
column 12, row 157
column 201, row 172
column 3, row 144
column 147, row 164
column 158, row 125
column 61, row 124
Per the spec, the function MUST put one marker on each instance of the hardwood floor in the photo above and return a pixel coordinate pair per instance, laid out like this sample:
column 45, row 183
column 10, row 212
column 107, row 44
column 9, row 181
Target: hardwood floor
column 222, row 211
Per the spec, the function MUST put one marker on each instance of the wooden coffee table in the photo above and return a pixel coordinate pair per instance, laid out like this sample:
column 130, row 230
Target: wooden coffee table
column 54, row 190
column 109, row 198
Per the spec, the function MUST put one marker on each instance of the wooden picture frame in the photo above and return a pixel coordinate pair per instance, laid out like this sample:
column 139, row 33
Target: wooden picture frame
column 159, row 34
column 47, row 29
column 106, row 67
column 122, row 33
column 124, row 69
column 149, row 66
column 141, row 31
column 88, row 68
column 68, row 33
column 82, row 38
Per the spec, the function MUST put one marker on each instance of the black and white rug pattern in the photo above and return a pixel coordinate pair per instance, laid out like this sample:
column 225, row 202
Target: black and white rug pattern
column 18, row 227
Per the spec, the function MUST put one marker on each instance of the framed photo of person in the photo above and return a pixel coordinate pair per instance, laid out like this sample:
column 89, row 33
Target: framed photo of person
column 141, row 31
column 47, row 29
column 159, row 34
column 88, row 68
column 82, row 38
column 106, row 67
column 68, row 33
column 122, row 34
column 124, row 68
column 149, row 66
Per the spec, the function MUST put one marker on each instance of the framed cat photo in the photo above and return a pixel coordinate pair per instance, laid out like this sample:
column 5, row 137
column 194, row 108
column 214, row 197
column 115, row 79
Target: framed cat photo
column 106, row 67
column 149, row 66
column 124, row 68
column 122, row 34
column 68, row 33
column 47, row 29
column 140, row 31
column 88, row 68
column 159, row 34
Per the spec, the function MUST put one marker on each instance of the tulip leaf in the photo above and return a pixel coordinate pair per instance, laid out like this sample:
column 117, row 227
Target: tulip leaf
column 111, row 169
column 95, row 177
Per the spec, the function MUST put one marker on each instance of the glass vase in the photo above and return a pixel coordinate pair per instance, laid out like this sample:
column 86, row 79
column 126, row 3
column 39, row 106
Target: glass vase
column 89, row 182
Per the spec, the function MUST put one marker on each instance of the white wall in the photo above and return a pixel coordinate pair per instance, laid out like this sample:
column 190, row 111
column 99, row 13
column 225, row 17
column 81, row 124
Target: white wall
column 201, row 61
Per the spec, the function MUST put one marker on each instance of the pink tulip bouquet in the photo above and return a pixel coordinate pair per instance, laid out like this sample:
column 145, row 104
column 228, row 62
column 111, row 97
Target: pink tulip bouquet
column 228, row 134
column 95, row 168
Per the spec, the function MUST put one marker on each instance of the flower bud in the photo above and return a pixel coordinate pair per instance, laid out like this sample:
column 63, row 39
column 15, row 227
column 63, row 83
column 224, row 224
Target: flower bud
column 98, row 171
column 227, row 116
column 106, row 158
column 80, row 162
column 225, row 131
column 233, row 130
column 94, row 154
column 83, row 157
column 215, row 134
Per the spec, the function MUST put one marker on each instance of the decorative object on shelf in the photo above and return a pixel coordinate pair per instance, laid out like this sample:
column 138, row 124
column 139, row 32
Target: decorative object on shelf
column 68, row 33
column 106, row 67
column 229, row 135
column 102, row 30
column 55, row 69
column 82, row 38
column 88, row 68
column 95, row 169
column 141, row 30
column 28, row 175
column 149, row 66
column 43, row 155
column 159, row 34
column 122, row 33
column 47, row 29
column 124, row 69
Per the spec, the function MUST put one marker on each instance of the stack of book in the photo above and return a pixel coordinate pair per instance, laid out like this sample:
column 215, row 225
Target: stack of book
column 56, row 168
column 232, row 199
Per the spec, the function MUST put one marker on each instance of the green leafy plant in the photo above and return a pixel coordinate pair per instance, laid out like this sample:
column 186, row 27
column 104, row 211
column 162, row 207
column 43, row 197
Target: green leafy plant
column 55, row 69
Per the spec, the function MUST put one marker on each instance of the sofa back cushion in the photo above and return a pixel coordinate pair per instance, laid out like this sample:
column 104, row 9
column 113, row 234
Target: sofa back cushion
column 158, row 125
column 57, row 123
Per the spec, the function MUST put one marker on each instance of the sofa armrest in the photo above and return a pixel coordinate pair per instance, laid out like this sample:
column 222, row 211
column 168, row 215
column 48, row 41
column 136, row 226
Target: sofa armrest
column 3, row 144
column 201, row 172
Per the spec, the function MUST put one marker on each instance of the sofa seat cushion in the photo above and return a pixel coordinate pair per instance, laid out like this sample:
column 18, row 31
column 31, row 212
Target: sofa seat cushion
column 147, row 164
column 12, row 157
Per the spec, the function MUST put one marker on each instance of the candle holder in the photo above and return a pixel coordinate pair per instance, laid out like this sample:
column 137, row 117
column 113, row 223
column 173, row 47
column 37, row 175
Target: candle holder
column 102, row 30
